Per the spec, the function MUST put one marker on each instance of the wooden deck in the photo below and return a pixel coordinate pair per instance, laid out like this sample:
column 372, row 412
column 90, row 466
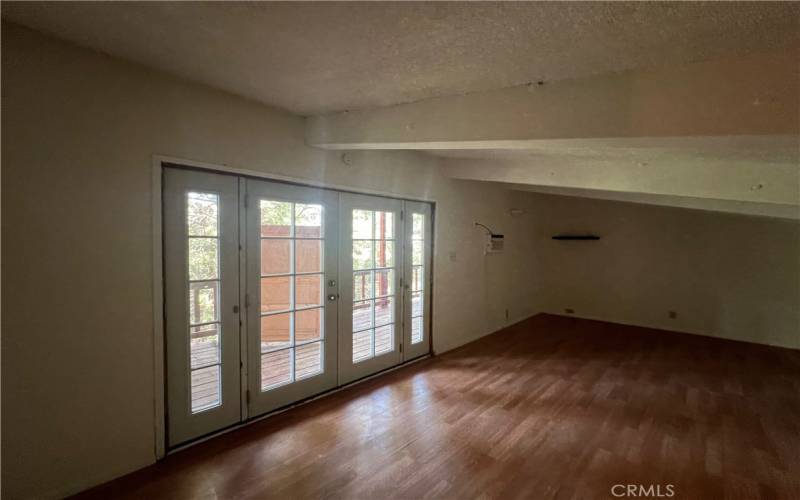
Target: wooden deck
column 275, row 370
column 363, row 329
column 551, row 408
column 276, row 365
column 205, row 381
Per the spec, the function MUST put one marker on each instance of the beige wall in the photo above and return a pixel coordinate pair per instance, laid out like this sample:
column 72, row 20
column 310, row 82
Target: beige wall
column 79, row 131
column 730, row 276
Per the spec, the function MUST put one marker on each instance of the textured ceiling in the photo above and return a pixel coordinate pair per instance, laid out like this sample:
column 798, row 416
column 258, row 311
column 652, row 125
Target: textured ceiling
column 313, row 58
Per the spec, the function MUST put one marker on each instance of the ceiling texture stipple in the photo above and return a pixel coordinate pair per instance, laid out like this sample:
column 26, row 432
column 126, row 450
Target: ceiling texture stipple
column 315, row 58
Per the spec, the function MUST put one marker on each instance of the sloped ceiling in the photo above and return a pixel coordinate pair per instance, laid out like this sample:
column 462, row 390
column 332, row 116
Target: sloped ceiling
column 319, row 57
column 687, row 104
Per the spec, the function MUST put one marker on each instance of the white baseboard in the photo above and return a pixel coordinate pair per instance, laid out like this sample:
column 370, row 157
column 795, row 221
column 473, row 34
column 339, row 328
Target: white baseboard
column 466, row 341
column 669, row 328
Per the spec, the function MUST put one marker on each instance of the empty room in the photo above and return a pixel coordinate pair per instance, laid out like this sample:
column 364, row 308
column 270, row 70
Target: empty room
column 379, row 250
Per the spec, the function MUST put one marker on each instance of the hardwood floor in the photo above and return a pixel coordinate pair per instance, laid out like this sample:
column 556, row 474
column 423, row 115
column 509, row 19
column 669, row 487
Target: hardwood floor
column 552, row 407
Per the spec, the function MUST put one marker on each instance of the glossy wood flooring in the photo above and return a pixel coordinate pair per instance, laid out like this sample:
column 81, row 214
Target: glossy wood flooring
column 550, row 408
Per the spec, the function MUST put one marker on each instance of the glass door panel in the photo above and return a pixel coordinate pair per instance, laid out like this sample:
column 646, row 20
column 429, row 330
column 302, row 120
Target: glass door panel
column 292, row 239
column 370, row 303
column 201, row 257
column 417, row 279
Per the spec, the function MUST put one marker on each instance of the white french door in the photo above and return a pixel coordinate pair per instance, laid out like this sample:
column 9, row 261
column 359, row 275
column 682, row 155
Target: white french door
column 276, row 292
column 370, row 303
column 417, row 279
column 201, row 284
column 292, row 249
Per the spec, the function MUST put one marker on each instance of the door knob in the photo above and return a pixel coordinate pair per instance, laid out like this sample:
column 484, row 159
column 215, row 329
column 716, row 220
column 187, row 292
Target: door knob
column 332, row 297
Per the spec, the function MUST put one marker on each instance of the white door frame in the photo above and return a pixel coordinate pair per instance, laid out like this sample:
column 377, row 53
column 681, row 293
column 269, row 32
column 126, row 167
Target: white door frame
column 158, row 162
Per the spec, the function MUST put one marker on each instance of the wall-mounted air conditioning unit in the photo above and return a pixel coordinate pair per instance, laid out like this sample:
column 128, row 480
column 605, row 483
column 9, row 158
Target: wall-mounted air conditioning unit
column 495, row 243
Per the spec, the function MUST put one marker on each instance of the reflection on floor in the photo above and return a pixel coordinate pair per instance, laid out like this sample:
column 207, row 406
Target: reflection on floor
column 551, row 407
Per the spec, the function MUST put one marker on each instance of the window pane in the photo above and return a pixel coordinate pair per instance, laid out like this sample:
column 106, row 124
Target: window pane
column 362, row 224
column 308, row 256
column 205, row 388
column 384, row 339
column 416, row 278
column 308, row 360
column 203, row 258
column 362, row 345
column 384, row 282
column 416, row 304
column 418, row 227
column 384, row 311
column 362, row 254
column 276, row 331
column 308, row 325
column 203, row 300
column 417, row 252
column 362, row 285
column 416, row 330
column 276, row 368
column 276, row 256
column 384, row 253
column 308, row 290
column 276, row 218
column 307, row 221
column 202, row 214
column 204, row 345
column 362, row 315
column 384, row 225
column 276, row 294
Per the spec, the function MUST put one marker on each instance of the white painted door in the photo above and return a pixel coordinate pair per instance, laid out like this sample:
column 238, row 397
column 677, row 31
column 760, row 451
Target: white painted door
column 201, row 273
column 370, row 263
column 292, row 251
column 417, row 279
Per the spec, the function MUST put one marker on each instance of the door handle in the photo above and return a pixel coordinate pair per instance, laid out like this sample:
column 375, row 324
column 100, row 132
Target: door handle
column 333, row 297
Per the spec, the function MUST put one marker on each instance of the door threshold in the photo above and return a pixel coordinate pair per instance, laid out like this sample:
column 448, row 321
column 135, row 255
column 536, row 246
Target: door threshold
column 291, row 406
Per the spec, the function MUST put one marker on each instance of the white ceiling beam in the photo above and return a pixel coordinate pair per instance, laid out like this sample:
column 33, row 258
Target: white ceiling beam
column 754, row 95
column 694, row 175
column 725, row 130
column 773, row 210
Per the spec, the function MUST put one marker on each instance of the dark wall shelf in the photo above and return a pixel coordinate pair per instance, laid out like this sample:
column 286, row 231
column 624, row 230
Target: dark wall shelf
column 583, row 237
